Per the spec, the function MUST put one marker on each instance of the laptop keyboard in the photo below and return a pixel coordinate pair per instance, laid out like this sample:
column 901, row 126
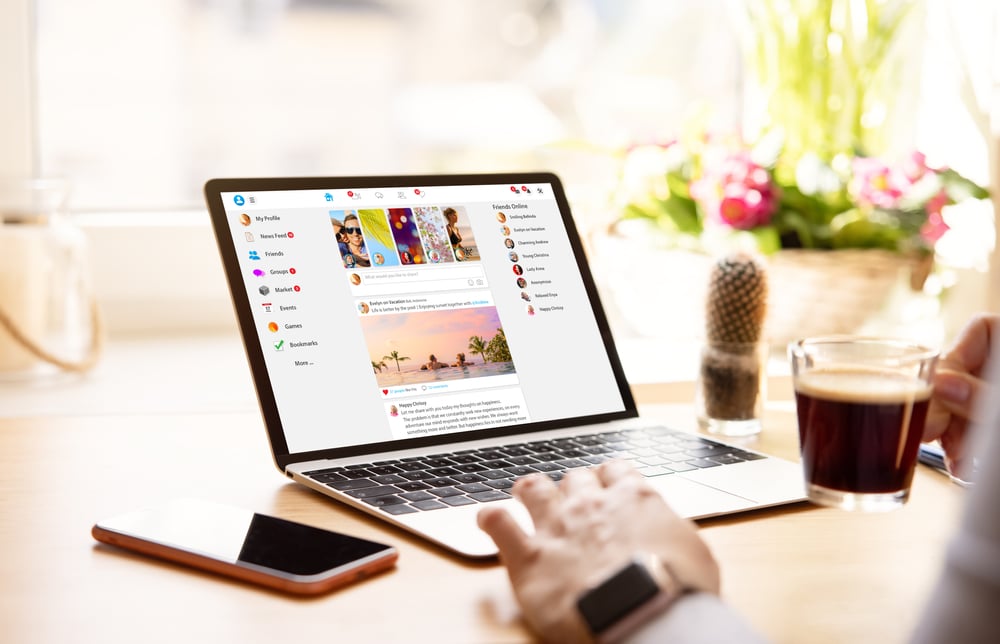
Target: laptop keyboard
column 466, row 477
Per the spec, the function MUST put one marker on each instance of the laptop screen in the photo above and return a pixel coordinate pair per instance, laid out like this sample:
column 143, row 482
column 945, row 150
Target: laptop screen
column 387, row 310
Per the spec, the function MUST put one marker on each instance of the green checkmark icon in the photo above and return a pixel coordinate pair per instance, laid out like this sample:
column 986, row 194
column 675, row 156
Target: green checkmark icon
column 278, row 345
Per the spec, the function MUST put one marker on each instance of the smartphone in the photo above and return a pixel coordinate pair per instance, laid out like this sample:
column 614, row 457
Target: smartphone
column 257, row 548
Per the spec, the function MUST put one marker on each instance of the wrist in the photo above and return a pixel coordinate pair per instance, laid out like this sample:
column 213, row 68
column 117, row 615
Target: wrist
column 638, row 592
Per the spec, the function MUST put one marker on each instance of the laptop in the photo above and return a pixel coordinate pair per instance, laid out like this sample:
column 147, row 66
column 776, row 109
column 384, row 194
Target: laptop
column 419, row 342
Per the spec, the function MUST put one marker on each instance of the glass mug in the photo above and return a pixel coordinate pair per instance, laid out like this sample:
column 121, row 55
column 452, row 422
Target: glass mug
column 861, row 404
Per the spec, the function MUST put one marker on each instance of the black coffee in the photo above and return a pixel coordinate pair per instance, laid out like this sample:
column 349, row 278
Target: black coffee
column 860, row 431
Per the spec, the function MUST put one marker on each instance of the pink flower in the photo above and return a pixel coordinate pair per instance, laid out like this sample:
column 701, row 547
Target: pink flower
column 934, row 228
column 937, row 203
column 915, row 166
column 876, row 184
column 737, row 193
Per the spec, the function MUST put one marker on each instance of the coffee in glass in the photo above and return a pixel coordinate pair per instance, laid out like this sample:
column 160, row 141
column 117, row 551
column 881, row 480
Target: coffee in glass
column 861, row 404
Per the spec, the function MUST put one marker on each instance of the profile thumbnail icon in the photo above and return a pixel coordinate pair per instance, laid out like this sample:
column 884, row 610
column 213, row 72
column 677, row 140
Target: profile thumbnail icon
column 502, row 218
column 518, row 270
column 521, row 282
column 245, row 219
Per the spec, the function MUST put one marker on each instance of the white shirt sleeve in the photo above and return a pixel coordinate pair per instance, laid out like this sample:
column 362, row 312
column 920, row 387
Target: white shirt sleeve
column 965, row 604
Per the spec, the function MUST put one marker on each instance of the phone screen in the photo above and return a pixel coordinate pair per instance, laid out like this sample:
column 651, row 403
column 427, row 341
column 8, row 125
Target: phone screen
column 243, row 537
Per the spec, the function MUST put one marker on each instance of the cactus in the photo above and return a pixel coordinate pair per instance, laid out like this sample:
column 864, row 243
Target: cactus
column 731, row 369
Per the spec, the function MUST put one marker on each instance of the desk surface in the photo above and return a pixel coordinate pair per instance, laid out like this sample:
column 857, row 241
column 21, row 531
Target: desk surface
column 799, row 573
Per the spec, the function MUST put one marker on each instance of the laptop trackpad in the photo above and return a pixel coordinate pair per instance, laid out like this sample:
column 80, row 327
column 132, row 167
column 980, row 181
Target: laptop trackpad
column 690, row 499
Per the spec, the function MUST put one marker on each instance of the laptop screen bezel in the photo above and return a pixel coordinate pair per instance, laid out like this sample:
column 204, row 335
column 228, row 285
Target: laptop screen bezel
column 214, row 189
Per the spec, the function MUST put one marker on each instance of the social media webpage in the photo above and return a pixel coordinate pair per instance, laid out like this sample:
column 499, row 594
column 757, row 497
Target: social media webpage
column 402, row 312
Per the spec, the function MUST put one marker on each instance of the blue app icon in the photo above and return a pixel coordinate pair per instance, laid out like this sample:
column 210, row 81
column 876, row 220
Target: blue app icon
column 239, row 200
column 329, row 197
column 254, row 255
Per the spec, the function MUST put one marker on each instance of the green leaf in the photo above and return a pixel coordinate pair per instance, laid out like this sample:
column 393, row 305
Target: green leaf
column 683, row 213
column 678, row 185
column 959, row 188
column 864, row 233
column 768, row 240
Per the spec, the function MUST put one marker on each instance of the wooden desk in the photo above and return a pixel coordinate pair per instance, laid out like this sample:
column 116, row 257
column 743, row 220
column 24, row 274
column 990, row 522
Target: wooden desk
column 797, row 574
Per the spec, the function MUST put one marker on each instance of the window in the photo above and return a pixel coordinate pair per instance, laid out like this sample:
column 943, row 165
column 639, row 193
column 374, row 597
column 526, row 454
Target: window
column 140, row 103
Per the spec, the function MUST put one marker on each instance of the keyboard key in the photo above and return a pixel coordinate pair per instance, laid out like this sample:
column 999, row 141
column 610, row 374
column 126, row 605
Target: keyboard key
column 572, row 453
column 548, row 456
column 437, row 462
column 413, row 486
column 700, row 463
column 654, row 470
column 443, row 471
column 595, row 460
column 446, row 491
column 520, row 470
column 428, row 505
column 468, row 478
column 522, row 460
column 702, row 452
column 370, row 492
column 492, row 495
column 384, row 469
column 458, row 500
column 389, row 479
column 357, row 474
column 491, row 455
column 679, row 467
column 419, row 475
column 653, row 460
column 495, row 474
column 572, row 462
column 385, row 501
column 323, row 471
column 497, row 464
column 546, row 467
column 501, row 484
column 514, row 451
column 469, row 488
column 465, row 458
column 750, row 456
column 353, row 484
column 470, row 467
column 726, row 459
column 398, row 509
column 442, row 481
column 411, row 466
column 420, row 495
column 329, row 477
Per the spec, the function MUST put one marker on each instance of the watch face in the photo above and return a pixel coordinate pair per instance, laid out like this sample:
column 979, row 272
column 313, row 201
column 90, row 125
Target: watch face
column 617, row 597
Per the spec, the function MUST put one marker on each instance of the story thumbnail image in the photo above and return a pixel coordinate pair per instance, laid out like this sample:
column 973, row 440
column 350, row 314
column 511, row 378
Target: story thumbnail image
column 434, row 234
column 431, row 346
column 406, row 236
column 350, row 238
column 460, row 234
column 381, row 246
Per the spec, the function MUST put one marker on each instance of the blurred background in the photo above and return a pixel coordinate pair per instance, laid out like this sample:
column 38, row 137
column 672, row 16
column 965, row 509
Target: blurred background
column 137, row 104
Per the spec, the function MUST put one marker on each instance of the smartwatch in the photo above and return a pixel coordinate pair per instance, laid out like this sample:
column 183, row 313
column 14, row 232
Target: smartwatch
column 623, row 602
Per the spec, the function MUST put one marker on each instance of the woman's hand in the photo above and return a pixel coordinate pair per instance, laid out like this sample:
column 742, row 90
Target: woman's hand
column 586, row 529
column 958, row 385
